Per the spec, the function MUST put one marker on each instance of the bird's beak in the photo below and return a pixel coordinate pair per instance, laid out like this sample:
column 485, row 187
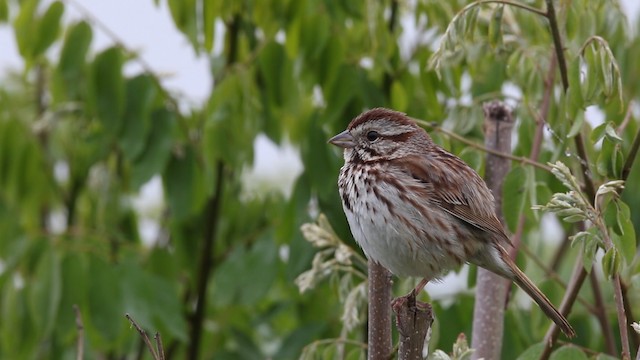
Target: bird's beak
column 343, row 140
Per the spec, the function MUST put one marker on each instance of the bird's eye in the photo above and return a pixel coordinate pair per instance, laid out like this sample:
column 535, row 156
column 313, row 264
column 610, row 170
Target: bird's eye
column 372, row 135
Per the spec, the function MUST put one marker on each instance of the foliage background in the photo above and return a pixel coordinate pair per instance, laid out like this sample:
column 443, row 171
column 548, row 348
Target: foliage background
column 219, row 280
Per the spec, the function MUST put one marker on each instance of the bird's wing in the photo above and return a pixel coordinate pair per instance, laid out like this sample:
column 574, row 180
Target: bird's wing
column 457, row 189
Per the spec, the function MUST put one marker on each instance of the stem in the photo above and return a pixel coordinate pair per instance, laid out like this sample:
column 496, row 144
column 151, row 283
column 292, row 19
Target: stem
column 617, row 297
column 633, row 152
column 80, row 327
column 557, row 42
column 503, row 2
column 143, row 335
column 601, row 314
column 622, row 319
column 212, row 217
column 159, row 347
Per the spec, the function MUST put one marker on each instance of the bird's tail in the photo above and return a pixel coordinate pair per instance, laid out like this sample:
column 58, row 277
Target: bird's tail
column 532, row 290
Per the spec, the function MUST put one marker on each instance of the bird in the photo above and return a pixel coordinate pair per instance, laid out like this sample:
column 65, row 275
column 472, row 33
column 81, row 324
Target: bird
column 419, row 210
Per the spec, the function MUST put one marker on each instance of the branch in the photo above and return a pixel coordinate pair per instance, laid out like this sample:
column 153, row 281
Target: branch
column 488, row 314
column 413, row 320
column 379, row 331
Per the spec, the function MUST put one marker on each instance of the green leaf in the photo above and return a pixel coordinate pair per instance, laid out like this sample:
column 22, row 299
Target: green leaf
column 533, row 352
column 71, row 66
column 625, row 236
column 23, row 29
column 208, row 23
column 17, row 331
column 589, row 248
column 141, row 92
column 607, row 161
column 74, row 50
column 183, row 13
column 598, row 132
column 514, row 195
column 574, row 97
column 105, row 308
column 399, row 100
column 48, row 28
column 74, row 272
column 45, row 291
column 250, row 285
column 568, row 352
column 108, row 91
column 495, row 27
column 157, row 151
column 152, row 301
column 183, row 184
column 4, row 11
column 611, row 263
column 610, row 133
column 271, row 61
column 602, row 356
column 576, row 126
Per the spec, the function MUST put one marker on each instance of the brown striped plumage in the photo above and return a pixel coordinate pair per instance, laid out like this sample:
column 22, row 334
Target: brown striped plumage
column 419, row 210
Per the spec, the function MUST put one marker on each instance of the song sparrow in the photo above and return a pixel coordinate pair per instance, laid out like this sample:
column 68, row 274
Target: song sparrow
column 419, row 210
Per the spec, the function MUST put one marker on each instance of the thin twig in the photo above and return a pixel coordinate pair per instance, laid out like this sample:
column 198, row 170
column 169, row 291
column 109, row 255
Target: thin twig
column 159, row 346
column 626, row 119
column 144, row 336
column 551, row 274
column 80, row 327
column 577, row 279
column 520, row 159
column 332, row 341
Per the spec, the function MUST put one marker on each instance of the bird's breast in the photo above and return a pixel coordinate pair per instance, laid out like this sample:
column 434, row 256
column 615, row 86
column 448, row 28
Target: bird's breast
column 395, row 223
